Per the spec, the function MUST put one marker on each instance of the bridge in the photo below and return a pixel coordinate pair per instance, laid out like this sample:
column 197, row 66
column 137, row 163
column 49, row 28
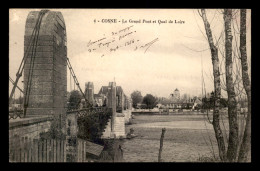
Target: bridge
column 44, row 66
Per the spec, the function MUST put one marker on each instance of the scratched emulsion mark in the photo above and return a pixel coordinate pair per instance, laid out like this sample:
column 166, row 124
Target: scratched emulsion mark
column 123, row 38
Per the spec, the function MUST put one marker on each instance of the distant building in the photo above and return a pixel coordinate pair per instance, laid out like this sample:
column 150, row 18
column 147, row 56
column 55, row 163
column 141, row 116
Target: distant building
column 197, row 103
column 103, row 94
column 177, row 94
column 140, row 106
column 99, row 99
column 175, row 97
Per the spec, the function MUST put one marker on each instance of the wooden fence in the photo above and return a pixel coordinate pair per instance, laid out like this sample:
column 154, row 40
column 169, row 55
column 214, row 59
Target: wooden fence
column 28, row 150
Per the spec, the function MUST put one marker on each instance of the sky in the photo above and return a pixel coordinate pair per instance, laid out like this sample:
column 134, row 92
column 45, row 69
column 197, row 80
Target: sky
column 151, row 57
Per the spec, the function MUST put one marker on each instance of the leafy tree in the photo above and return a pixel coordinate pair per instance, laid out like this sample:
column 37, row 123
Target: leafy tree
column 208, row 103
column 136, row 98
column 150, row 101
column 19, row 100
column 74, row 99
column 91, row 127
column 223, row 103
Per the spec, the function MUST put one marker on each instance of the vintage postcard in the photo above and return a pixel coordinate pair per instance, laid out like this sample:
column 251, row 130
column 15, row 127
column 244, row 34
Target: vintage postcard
column 129, row 85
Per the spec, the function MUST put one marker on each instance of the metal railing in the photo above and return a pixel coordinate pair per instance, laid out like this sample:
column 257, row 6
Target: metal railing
column 90, row 111
column 13, row 114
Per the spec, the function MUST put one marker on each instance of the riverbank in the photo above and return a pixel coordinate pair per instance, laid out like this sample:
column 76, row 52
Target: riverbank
column 169, row 112
column 188, row 138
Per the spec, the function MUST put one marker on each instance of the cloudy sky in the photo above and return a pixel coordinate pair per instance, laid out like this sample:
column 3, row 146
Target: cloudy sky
column 151, row 57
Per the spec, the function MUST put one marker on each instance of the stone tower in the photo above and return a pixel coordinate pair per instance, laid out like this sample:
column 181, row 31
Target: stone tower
column 112, row 101
column 48, row 90
column 176, row 94
column 89, row 92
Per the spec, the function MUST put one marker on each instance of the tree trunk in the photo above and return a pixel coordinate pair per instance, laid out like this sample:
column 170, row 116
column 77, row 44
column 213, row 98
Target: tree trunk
column 217, row 88
column 246, row 143
column 232, row 104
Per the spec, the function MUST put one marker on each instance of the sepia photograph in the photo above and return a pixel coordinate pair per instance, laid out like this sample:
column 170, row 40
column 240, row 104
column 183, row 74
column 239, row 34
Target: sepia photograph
column 129, row 85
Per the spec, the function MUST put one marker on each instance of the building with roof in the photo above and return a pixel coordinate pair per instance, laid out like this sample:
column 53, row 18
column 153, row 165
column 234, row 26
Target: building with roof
column 175, row 96
column 111, row 96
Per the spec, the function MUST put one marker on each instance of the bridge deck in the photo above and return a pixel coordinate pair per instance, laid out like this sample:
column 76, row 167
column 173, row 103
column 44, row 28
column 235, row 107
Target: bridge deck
column 26, row 121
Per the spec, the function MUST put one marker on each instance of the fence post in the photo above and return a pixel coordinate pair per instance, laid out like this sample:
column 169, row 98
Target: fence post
column 84, row 151
column 25, row 149
column 64, row 151
column 30, row 150
column 22, row 149
column 12, row 151
column 19, row 154
column 35, row 151
column 40, row 150
column 83, row 154
column 58, row 150
column 44, row 157
column 80, row 150
column 48, row 150
column 17, row 147
column 161, row 144
column 54, row 150
column 48, row 154
column 78, row 154
column 61, row 151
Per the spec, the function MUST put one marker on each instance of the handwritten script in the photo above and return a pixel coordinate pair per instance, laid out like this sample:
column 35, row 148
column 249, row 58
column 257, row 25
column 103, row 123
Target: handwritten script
column 121, row 39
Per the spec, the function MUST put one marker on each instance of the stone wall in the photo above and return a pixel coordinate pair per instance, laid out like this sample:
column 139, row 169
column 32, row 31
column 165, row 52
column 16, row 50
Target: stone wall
column 31, row 127
column 119, row 127
column 127, row 114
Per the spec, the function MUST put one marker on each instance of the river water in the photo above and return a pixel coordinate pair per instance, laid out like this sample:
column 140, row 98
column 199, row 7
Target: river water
column 187, row 138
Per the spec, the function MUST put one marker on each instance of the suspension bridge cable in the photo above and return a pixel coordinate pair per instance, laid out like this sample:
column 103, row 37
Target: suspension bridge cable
column 16, row 85
column 21, row 67
column 20, row 70
column 70, row 82
column 77, row 83
column 29, row 81
column 34, row 48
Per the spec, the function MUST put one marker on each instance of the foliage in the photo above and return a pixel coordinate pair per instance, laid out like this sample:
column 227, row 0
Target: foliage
column 223, row 102
column 18, row 100
column 164, row 101
column 53, row 133
column 74, row 99
column 208, row 103
column 150, row 101
column 91, row 127
column 136, row 98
